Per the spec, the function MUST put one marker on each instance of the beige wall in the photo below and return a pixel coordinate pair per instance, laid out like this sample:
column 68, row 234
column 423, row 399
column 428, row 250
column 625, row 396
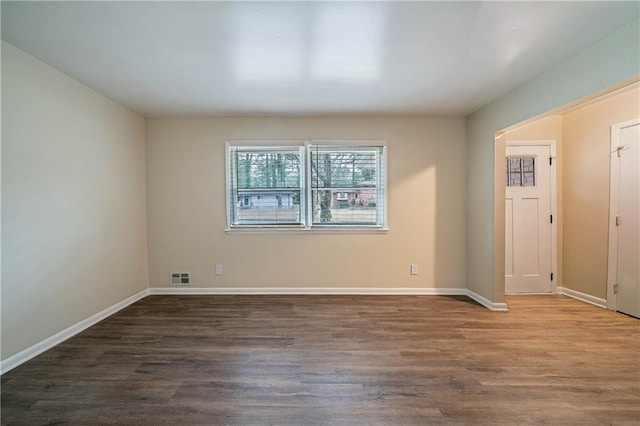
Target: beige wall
column 611, row 62
column 186, row 204
column 583, row 138
column 73, row 202
column 586, row 189
column 547, row 128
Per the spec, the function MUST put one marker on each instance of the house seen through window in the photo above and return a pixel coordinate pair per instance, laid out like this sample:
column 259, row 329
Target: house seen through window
column 306, row 186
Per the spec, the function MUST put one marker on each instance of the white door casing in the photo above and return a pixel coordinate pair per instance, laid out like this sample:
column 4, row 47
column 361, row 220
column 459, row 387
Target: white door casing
column 623, row 286
column 529, row 244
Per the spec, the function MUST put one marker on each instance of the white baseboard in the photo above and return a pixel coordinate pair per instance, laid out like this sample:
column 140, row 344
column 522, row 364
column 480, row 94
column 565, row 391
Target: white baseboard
column 35, row 350
column 308, row 291
column 583, row 297
column 498, row 307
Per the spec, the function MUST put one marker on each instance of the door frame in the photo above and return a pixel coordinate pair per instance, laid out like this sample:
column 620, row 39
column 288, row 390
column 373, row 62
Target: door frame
column 553, row 183
column 614, row 189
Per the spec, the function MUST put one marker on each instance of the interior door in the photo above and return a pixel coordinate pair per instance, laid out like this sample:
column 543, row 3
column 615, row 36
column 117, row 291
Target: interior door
column 528, row 219
column 627, row 219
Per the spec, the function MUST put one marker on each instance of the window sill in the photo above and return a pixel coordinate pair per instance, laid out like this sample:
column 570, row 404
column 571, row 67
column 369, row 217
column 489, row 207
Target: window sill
column 333, row 230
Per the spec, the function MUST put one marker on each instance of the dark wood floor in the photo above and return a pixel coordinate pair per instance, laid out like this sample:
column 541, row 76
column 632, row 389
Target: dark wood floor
column 337, row 360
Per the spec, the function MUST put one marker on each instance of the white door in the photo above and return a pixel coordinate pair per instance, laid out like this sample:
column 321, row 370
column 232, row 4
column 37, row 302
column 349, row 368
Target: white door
column 528, row 219
column 625, row 211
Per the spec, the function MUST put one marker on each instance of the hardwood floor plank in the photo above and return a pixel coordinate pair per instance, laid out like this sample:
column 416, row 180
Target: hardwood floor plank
column 401, row 360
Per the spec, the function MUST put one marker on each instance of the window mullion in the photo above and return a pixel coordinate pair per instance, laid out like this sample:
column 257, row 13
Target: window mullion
column 308, row 183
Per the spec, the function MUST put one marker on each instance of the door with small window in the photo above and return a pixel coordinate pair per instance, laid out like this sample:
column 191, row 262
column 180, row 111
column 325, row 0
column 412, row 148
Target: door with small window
column 528, row 219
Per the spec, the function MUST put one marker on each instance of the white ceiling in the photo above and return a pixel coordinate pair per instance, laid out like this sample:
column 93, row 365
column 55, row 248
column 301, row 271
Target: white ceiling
column 229, row 58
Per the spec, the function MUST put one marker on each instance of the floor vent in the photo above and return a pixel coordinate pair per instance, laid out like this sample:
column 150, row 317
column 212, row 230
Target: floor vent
column 180, row 278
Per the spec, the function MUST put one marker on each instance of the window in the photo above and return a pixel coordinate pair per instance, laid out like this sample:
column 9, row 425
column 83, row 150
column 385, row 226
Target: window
column 346, row 185
column 520, row 171
column 306, row 186
column 265, row 186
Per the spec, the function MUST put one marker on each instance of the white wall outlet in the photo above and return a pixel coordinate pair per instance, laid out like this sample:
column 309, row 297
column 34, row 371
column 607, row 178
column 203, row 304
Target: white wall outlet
column 414, row 269
column 219, row 269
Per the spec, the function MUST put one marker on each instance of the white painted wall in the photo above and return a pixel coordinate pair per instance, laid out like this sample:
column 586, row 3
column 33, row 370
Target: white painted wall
column 427, row 191
column 73, row 202
column 613, row 61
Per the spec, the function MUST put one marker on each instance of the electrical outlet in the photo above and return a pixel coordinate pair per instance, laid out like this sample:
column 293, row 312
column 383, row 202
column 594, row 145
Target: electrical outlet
column 414, row 269
column 219, row 269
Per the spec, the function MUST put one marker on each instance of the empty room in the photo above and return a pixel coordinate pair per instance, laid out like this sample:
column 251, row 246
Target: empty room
column 372, row 212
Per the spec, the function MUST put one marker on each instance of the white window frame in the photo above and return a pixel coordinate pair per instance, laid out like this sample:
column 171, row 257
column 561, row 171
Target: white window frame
column 263, row 146
column 306, row 214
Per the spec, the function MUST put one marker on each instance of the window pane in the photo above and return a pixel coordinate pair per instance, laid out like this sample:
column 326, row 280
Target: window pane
column 357, row 207
column 528, row 171
column 334, row 168
column 347, row 185
column 265, row 186
column 258, row 208
column 256, row 169
column 521, row 171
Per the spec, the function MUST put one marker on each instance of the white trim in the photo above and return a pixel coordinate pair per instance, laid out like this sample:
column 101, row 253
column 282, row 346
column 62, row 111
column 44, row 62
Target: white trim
column 614, row 192
column 48, row 343
column 553, row 183
column 535, row 142
column 309, row 291
column 384, row 184
column 333, row 230
column 227, row 182
column 305, row 188
column 496, row 307
column 556, row 217
column 583, row 297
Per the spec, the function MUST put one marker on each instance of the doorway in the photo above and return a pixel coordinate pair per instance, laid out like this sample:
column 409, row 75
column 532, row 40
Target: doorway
column 529, row 211
column 623, row 286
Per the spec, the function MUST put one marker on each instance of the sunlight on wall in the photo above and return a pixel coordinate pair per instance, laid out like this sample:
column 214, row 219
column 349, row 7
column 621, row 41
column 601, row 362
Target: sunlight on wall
column 423, row 206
